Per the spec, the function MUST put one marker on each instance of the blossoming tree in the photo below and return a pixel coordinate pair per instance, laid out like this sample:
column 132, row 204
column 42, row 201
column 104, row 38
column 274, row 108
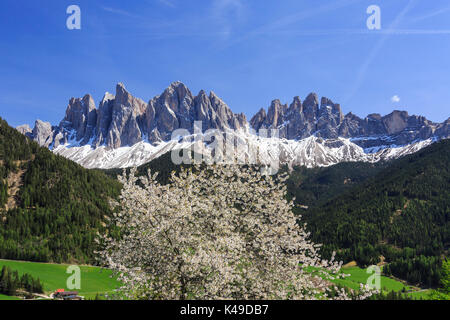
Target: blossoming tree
column 227, row 232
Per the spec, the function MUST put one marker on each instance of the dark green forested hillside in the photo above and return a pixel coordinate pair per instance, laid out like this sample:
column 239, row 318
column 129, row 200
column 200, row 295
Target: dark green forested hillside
column 58, row 207
column 313, row 186
column 11, row 282
column 51, row 208
column 310, row 186
column 398, row 210
column 12, row 150
column 163, row 165
column 401, row 213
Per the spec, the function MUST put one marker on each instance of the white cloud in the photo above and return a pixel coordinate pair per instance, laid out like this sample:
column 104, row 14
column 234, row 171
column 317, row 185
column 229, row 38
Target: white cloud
column 362, row 72
column 167, row 3
column 395, row 99
column 432, row 14
column 227, row 13
column 119, row 12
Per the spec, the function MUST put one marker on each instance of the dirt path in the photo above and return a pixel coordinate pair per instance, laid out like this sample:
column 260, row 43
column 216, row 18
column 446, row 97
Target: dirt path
column 15, row 181
column 43, row 296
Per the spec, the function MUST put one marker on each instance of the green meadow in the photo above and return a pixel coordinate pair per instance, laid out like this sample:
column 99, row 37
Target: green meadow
column 421, row 295
column 3, row 297
column 53, row 276
column 95, row 280
column 358, row 275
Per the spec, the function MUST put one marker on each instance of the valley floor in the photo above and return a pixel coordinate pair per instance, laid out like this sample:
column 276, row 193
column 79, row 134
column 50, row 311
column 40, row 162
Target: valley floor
column 95, row 280
column 358, row 275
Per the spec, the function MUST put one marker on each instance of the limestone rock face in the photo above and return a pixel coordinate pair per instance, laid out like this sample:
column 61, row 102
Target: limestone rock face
column 24, row 129
column 258, row 119
column 329, row 119
column 124, row 120
column 43, row 133
column 443, row 129
column 301, row 120
column 178, row 108
column 326, row 120
column 127, row 119
column 352, row 126
column 395, row 122
column 104, row 117
column 225, row 118
column 311, row 107
column 81, row 117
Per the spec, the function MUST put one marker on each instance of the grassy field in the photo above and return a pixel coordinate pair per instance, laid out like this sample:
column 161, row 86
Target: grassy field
column 96, row 280
column 359, row 275
column 424, row 295
column 53, row 276
column 3, row 297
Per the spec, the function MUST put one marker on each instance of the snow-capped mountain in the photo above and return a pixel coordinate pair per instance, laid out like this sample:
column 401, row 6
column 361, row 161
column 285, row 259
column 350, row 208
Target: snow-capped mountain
column 125, row 131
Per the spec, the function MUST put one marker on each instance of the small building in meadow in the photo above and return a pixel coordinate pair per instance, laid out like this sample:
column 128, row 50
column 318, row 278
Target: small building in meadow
column 66, row 295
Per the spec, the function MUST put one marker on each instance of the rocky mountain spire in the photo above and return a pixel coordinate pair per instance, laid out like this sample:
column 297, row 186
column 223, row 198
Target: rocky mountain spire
column 127, row 119
column 326, row 120
column 124, row 120
column 24, row 129
column 104, row 117
column 43, row 133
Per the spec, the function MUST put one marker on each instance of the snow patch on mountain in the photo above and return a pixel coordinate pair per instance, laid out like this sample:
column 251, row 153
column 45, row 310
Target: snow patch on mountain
column 310, row 152
column 124, row 130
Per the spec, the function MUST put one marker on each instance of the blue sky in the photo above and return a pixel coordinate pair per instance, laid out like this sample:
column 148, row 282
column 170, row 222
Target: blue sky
column 247, row 51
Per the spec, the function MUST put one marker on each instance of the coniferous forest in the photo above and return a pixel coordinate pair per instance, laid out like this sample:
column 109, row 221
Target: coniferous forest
column 399, row 215
column 11, row 282
column 59, row 207
column 394, row 213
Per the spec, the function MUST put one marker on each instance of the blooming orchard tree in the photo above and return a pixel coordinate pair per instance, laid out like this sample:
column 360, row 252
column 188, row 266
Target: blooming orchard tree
column 222, row 233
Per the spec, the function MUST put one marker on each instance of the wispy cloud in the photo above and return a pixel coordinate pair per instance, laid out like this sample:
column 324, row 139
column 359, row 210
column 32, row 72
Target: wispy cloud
column 167, row 3
column 327, row 32
column 414, row 31
column 226, row 13
column 119, row 12
column 431, row 14
column 305, row 14
column 362, row 72
column 395, row 99
column 291, row 19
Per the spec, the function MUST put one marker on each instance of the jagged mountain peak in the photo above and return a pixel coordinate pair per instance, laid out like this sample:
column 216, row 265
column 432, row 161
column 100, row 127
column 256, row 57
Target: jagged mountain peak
column 121, row 90
column 24, row 129
column 123, row 120
column 107, row 96
column 326, row 120
column 42, row 132
column 312, row 99
column 177, row 84
column 178, row 88
column 373, row 116
column 296, row 101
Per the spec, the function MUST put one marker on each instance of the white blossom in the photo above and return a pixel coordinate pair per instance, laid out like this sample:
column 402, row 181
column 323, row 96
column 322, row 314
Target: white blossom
column 225, row 232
